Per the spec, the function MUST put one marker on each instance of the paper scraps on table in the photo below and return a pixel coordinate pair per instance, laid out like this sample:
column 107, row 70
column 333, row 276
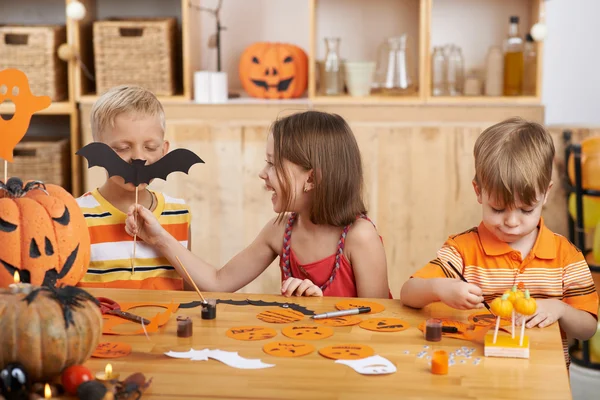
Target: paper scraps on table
column 484, row 318
column 357, row 303
column 112, row 350
column 374, row 365
column 111, row 321
column 230, row 358
column 251, row 333
column 350, row 351
column 257, row 303
column 307, row 332
column 280, row 316
column 346, row 320
column 384, row 324
column 288, row 349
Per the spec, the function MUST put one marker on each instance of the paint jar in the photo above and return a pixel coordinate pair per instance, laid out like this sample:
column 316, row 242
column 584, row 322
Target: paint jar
column 184, row 326
column 209, row 309
column 439, row 363
column 433, row 330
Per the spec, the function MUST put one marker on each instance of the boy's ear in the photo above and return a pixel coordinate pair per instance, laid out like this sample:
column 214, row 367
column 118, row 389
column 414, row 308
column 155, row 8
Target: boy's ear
column 547, row 192
column 166, row 146
column 477, row 191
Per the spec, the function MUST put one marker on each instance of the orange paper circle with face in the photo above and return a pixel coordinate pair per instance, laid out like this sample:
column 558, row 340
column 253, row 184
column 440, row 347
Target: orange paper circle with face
column 288, row 349
column 112, row 350
column 280, row 316
column 307, row 332
column 484, row 318
column 251, row 333
column 346, row 320
column 357, row 303
column 384, row 325
column 347, row 351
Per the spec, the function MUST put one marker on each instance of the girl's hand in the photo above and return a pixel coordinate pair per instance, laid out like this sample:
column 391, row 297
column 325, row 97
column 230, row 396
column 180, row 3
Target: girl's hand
column 147, row 228
column 299, row 287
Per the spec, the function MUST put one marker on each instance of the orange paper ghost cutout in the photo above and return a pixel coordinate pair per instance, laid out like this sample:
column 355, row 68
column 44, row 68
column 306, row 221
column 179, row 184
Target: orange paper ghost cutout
column 26, row 104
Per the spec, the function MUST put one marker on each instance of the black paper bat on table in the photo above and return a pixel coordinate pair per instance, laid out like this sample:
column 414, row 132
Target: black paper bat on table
column 137, row 172
column 248, row 302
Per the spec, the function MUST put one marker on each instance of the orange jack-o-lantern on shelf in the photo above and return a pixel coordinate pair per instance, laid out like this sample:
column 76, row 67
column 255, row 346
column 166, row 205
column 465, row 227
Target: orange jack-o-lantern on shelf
column 43, row 235
column 274, row 70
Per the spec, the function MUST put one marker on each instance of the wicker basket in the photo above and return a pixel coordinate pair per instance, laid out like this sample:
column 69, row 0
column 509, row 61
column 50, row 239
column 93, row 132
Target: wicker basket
column 42, row 158
column 136, row 51
column 33, row 50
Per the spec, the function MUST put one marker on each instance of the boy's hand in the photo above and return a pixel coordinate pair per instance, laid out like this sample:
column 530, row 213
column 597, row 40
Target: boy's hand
column 548, row 312
column 460, row 295
column 148, row 228
column 300, row 287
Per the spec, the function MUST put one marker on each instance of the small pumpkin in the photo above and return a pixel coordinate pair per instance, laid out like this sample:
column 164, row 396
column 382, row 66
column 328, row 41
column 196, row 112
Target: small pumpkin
column 514, row 294
column 274, row 70
column 526, row 305
column 43, row 235
column 502, row 307
column 49, row 329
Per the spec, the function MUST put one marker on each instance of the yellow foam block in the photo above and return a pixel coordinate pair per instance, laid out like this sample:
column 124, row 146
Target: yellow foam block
column 506, row 346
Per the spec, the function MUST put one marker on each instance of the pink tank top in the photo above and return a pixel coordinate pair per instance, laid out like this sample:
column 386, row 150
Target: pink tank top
column 333, row 274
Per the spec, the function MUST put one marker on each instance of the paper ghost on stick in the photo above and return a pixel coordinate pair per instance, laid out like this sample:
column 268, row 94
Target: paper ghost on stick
column 14, row 86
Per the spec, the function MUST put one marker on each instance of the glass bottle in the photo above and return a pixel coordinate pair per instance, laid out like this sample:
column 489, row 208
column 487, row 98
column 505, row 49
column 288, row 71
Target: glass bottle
column 456, row 58
column 438, row 72
column 513, row 59
column 332, row 79
column 529, row 66
column 494, row 72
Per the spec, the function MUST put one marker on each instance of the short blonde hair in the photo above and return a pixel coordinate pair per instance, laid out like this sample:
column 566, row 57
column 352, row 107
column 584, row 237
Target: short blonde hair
column 514, row 158
column 124, row 99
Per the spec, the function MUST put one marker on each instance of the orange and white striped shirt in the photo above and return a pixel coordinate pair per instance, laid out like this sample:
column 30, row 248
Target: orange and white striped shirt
column 112, row 247
column 553, row 269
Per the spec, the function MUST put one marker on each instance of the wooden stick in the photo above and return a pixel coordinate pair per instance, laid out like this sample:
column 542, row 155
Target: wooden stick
column 513, row 324
column 135, row 235
column 522, row 331
column 496, row 330
column 5, row 171
column 190, row 279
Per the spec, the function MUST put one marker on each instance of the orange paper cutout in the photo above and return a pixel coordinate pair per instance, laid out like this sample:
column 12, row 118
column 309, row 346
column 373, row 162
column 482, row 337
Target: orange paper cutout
column 357, row 303
column 384, row 325
column 280, row 316
column 112, row 321
column 26, row 104
column 485, row 318
column 346, row 320
column 288, row 349
column 307, row 332
column 251, row 333
column 112, row 350
column 352, row 351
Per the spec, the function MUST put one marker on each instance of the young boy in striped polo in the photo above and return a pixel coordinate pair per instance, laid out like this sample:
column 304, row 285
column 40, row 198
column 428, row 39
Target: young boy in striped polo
column 131, row 121
column 512, row 245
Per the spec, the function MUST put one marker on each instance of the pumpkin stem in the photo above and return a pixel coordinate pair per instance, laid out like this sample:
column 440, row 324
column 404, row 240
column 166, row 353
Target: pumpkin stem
column 505, row 296
column 514, row 288
column 526, row 293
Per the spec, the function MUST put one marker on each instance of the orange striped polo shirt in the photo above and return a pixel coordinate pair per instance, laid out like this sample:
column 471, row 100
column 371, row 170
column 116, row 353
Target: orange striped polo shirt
column 553, row 269
column 112, row 248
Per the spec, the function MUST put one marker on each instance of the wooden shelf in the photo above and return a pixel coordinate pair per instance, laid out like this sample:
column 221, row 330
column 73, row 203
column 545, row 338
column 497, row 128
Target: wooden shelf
column 177, row 99
column 483, row 100
column 373, row 99
column 56, row 108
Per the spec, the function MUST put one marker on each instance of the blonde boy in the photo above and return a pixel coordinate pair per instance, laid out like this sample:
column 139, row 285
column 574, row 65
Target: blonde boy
column 512, row 245
column 131, row 121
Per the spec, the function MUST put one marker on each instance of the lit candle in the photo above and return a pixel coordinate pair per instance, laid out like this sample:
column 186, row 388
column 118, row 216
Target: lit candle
column 107, row 375
column 18, row 286
column 48, row 392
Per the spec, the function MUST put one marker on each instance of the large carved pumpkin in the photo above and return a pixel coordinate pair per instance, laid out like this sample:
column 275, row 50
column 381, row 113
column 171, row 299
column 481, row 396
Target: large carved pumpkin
column 274, row 70
column 49, row 329
column 43, row 235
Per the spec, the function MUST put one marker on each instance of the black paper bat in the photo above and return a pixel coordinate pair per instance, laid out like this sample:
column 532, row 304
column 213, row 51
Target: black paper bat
column 259, row 303
column 136, row 172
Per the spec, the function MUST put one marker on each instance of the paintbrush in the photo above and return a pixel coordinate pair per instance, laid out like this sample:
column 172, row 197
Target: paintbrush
column 191, row 280
column 464, row 280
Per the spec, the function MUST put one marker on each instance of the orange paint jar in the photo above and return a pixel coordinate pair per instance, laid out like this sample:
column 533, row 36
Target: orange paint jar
column 439, row 363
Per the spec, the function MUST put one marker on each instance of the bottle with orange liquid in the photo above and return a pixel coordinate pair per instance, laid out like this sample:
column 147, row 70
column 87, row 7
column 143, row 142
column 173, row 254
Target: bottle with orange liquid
column 513, row 59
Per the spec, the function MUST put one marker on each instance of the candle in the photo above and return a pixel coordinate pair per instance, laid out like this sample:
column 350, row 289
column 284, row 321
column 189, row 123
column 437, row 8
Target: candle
column 18, row 286
column 50, row 392
column 107, row 375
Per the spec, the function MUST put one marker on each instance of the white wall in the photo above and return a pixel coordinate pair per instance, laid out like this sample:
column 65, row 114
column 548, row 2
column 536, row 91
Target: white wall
column 571, row 80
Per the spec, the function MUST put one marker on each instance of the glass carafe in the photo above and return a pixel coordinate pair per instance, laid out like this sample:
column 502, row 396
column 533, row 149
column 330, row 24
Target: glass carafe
column 393, row 74
column 333, row 81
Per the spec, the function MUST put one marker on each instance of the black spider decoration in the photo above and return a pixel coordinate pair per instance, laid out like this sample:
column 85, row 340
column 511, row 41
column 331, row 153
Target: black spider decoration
column 14, row 187
column 68, row 297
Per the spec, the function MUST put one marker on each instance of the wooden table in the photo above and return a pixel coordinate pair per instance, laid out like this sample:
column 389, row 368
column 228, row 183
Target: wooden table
column 543, row 376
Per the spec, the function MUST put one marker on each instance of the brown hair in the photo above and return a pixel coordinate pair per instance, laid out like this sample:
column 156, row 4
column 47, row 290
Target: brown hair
column 324, row 143
column 514, row 158
column 124, row 99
